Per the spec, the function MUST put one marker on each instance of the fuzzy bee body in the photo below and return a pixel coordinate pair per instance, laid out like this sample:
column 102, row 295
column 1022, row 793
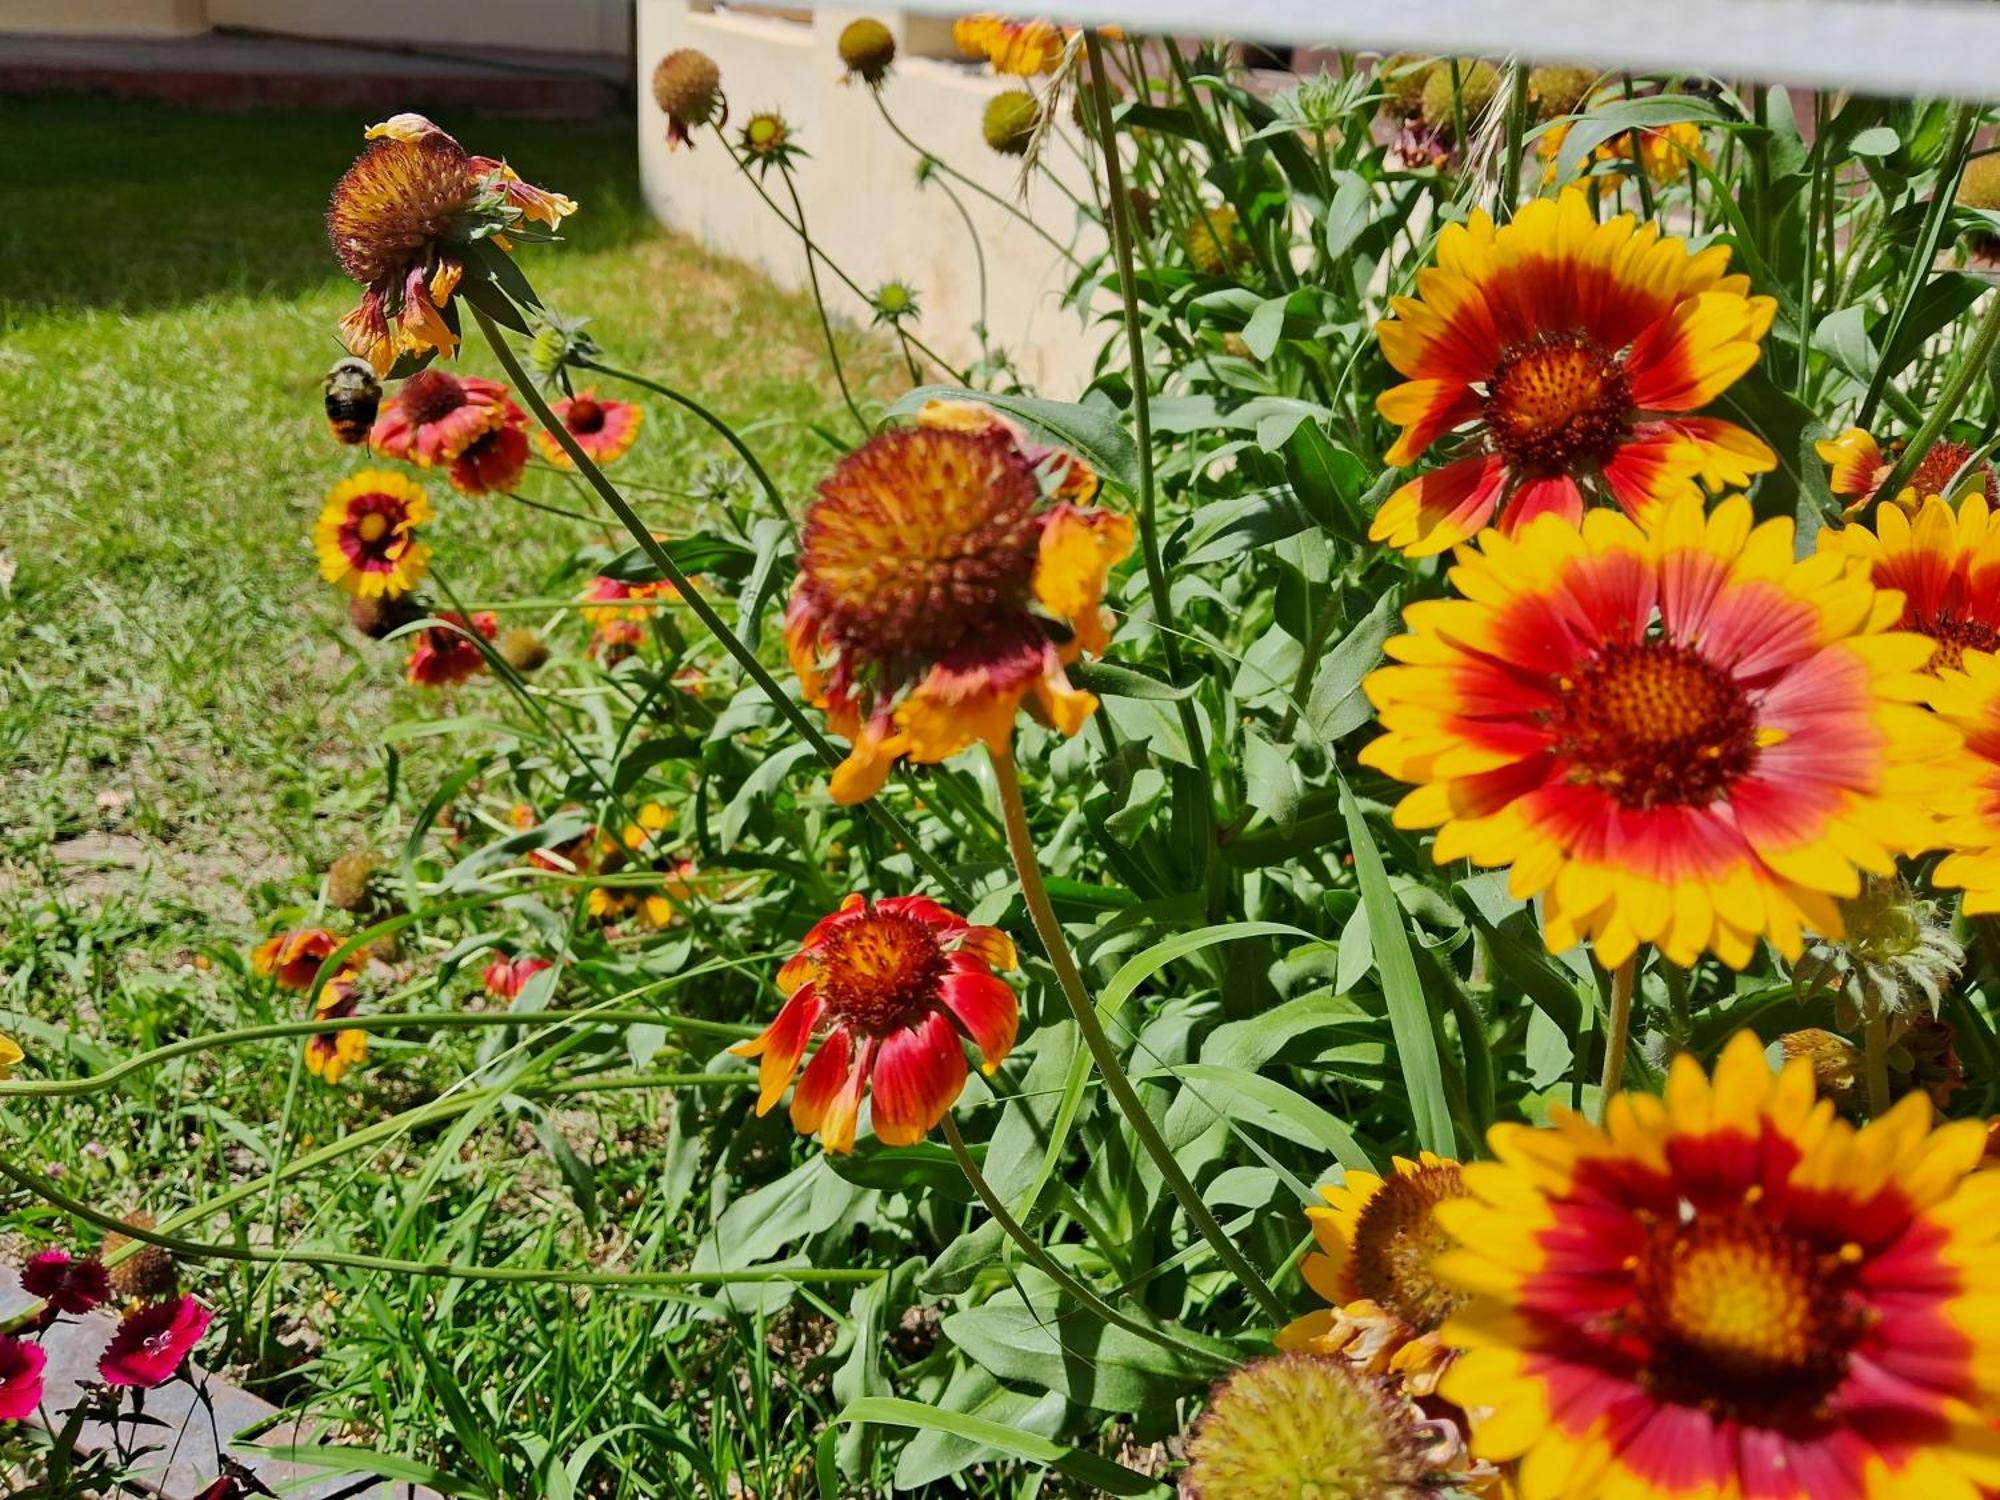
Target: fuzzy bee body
column 352, row 396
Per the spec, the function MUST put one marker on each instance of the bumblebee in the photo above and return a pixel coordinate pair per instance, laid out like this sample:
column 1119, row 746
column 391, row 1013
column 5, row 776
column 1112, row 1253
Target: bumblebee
column 352, row 396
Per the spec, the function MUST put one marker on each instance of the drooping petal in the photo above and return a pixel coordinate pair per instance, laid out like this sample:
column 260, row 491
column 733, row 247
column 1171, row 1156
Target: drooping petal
column 1438, row 510
column 828, row 1097
column 985, row 1006
column 918, row 1074
column 781, row 1045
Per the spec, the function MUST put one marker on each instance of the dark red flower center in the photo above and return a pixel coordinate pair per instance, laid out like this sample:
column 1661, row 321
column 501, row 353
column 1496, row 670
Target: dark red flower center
column 584, row 416
column 919, row 537
column 1943, row 461
column 1396, row 1238
column 1955, row 634
column 430, row 396
column 370, row 538
column 1558, row 403
column 1654, row 723
column 880, row 972
column 1736, row 1312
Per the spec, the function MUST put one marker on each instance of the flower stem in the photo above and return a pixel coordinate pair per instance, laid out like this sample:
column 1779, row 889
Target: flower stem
column 1027, row 864
column 701, row 608
column 1617, row 1031
column 727, row 432
column 1875, row 1054
column 1971, row 365
column 819, row 305
column 1049, row 1266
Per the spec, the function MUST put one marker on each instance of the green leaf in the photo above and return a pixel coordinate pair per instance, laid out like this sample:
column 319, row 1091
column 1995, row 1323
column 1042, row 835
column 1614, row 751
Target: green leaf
column 1094, row 435
column 1327, row 479
column 937, row 1451
column 1878, row 140
column 1073, row 1463
column 1110, row 679
column 1409, row 1012
column 1271, row 781
column 577, row 1174
column 1256, row 1100
column 1336, row 705
column 1589, row 131
column 337, row 1458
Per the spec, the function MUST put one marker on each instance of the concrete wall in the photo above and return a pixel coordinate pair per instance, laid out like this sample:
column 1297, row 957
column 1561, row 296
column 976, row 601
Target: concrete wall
column 597, row 26
column 861, row 197
column 104, row 17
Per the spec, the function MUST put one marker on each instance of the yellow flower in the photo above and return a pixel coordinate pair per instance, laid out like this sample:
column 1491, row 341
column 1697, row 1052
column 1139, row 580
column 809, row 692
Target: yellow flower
column 1857, row 468
column 1678, row 735
column 366, row 536
column 10, row 1056
column 1946, row 566
column 1731, row 1292
column 1968, row 696
column 867, row 48
column 1377, row 1237
column 1018, row 48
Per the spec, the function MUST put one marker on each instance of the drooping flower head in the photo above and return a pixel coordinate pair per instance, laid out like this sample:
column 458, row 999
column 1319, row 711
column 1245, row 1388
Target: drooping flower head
column 153, row 1342
column 436, row 415
column 893, row 990
column 1377, row 1237
column 504, row 978
column 1857, row 468
column 293, row 958
column 400, row 221
column 445, row 654
column 604, row 430
column 1946, row 566
column 366, row 536
column 1731, row 1292
column 493, row 462
column 329, row 1054
column 1303, row 1424
column 67, row 1283
column 21, row 1366
column 867, row 48
column 939, row 591
column 1569, row 357
column 1675, row 735
column 687, row 85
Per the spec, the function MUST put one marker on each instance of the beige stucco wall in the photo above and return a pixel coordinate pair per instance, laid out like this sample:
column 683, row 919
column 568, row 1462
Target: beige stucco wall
column 547, row 25
column 862, row 201
column 104, row 17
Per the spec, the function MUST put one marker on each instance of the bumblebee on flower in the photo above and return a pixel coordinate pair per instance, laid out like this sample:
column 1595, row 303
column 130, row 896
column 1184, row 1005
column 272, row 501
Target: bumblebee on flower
column 945, row 582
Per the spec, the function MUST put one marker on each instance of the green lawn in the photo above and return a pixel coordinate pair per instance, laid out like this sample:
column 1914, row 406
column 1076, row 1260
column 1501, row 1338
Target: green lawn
column 178, row 691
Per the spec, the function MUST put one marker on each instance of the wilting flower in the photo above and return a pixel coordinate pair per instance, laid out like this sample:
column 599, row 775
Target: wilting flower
column 1675, row 735
column 1572, row 353
column 893, row 989
column 687, row 85
column 137, row 1268
column 21, row 1365
column 350, row 880
column 1731, row 1292
column 867, row 48
column 1376, row 1238
column 65, row 1282
column 152, row 1342
column 1010, row 120
column 1401, row 77
column 329, row 1054
column 380, row 615
column 293, row 958
column 366, row 537
column 1946, row 567
column 505, row 978
column 10, row 1056
column 1895, row 956
column 437, row 415
column 1858, row 467
column 604, row 430
column 1443, row 105
column 523, row 649
column 1836, row 1062
column 1303, row 1424
column 1556, row 90
column 401, row 220
column 1020, row 49
column 445, row 654
column 937, row 593
column 1215, row 242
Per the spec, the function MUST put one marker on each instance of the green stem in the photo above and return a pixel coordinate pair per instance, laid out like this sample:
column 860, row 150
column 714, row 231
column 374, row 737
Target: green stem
column 1875, row 1054
column 1971, row 365
column 1517, row 129
column 1027, row 865
column 48, row 1192
column 1049, row 1266
column 1617, row 1031
column 702, row 609
column 819, row 305
column 728, row 433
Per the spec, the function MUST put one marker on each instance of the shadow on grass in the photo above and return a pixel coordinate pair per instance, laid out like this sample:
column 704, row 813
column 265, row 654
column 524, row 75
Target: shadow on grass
column 133, row 207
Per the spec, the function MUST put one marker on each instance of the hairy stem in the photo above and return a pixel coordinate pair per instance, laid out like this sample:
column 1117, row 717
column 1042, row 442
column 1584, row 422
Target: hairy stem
column 1617, row 1031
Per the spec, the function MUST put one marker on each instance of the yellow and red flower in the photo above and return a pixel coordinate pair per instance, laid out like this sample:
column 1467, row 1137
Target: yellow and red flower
column 932, row 568
column 366, row 536
column 329, row 1054
column 445, row 654
column 620, row 613
column 400, row 221
column 604, row 430
column 504, row 978
column 1676, row 735
column 894, row 989
column 493, row 462
column 293, row 959
column 436, row 415
column 1967, row 696
column 1857, row 468
column 1945, row 564
column 1377, row 1237
column 1020, row 49
column 1665, row 151
column 1570, row 357
column 1732, row 1293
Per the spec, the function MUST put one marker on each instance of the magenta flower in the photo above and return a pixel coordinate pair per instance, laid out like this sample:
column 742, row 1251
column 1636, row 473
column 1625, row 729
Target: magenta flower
column 152, row 1341
column 66, row 1284
column 20, row 1378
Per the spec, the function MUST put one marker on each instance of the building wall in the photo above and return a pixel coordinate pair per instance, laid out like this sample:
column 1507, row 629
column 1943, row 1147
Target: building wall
column 544, row 25
column 862, row 200
column 104, row 17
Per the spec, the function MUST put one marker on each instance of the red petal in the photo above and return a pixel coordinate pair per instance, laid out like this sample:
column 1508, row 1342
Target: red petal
column 985, row 1006
column 781, row 1046
column 829, row 1094
column 919, row 1072
column 1556, row 495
